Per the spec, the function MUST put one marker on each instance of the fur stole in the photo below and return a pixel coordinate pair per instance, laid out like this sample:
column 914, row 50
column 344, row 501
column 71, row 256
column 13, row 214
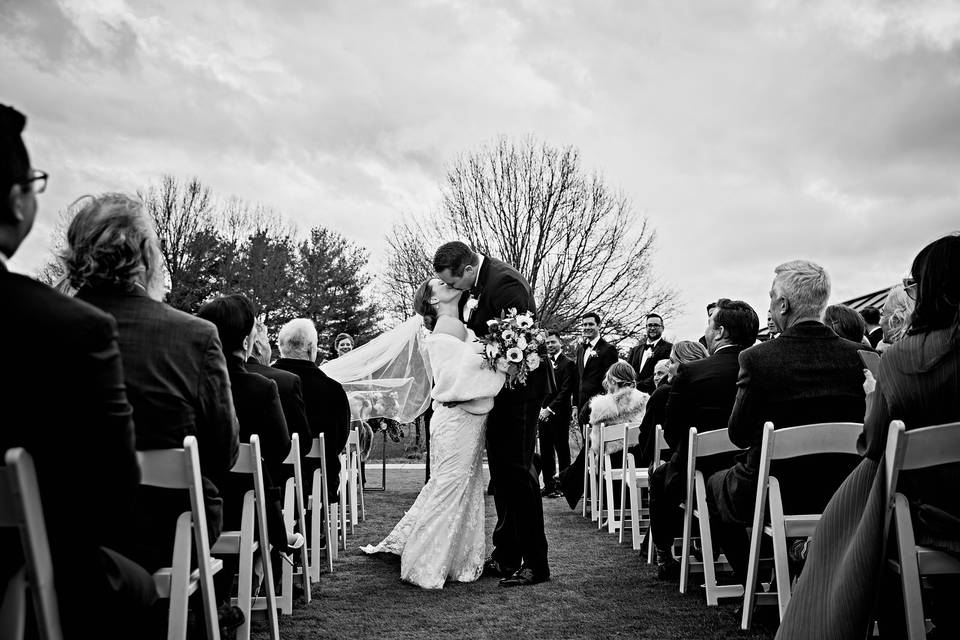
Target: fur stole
column 624, row 405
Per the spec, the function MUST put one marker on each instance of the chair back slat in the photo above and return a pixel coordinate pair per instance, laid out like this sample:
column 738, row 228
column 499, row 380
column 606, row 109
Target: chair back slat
column 165, row 468
column 811, row 439
column 245, row 459
column 316, row 450
column 710, row 443
column 615, row 432
column 930, row 446
column 294, row 454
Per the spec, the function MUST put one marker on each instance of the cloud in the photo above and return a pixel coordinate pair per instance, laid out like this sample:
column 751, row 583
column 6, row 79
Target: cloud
column 749, row 133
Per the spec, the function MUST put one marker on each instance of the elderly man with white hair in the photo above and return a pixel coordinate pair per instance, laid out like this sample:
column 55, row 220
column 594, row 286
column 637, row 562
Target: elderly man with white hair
column 325, row 401
column 807, row 375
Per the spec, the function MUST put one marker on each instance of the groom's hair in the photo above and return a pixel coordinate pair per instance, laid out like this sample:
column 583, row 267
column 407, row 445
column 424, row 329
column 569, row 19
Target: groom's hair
column 454, row 256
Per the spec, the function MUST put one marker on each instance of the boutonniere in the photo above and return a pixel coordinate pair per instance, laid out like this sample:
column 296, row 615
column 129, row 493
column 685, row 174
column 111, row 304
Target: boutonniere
column 470, row 307
column 588, row 353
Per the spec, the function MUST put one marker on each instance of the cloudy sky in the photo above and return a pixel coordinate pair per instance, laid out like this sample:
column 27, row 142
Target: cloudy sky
column 748, row 133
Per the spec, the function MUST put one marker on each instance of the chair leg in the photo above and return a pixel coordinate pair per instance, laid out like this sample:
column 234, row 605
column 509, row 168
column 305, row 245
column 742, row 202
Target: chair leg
column 706, row 540
column 780, row 564
column 909, row 571
column 685, row 546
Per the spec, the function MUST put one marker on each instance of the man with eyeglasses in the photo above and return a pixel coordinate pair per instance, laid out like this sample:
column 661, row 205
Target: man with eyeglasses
column 63, row 401
column 644, row 357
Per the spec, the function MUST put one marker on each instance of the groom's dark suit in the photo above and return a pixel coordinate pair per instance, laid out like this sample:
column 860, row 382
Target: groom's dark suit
column 512, row 429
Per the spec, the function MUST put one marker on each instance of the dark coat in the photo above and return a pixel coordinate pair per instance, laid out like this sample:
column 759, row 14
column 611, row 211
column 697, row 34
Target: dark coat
column 701, row 397
column 291, row 401
column 591, row 373
column 645, row 374
column 328, row 412
column 560, row 401
column 656, row 414
column 177, row 382
column 807, row 375
column 63, row 400
column 875, row 337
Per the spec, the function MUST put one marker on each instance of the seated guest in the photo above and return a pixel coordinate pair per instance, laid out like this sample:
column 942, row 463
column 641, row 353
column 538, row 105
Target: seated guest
column 622, row 403
column 710, row 308
column 174, row 369
column 917, row 383
column 342, row 344
column 846, row 323
column 258, row 409
column 660, row 372
column 701, row 397
column 873, row 332
column 291, row 395
column 64, row 403
column 895, row 316
column 807, row 375
column 327, row 408
column 656, row 413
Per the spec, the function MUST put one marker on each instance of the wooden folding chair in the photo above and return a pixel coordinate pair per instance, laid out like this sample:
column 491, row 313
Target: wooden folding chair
column 243, row 543
column 702, row 445
column 909, row 450
column 591, row 479
column 20, row 508
column 294, row 514
column 321, row 519
column 180, row 469
column 637, row 481
column 793, row 442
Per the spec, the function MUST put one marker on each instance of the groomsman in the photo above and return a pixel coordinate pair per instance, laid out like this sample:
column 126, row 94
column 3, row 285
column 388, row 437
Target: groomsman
column 871, row 316
column 644, row 357
column 555, row 416
column 594, row 357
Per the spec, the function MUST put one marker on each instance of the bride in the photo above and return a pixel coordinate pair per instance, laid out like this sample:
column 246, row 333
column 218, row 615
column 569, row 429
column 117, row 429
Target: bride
column 442, row 537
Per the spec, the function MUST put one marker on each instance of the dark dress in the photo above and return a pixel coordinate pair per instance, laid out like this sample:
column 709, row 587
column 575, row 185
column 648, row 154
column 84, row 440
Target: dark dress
column 918, row 382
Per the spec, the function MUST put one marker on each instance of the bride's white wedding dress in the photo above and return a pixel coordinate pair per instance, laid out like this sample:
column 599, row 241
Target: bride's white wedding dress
column 442, row 536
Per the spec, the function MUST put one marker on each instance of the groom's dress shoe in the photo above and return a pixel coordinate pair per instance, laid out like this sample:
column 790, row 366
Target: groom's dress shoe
column 493, row 569
column 523, row 577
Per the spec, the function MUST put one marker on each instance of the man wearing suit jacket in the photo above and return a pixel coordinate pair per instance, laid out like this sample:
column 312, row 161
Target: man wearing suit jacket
column 291, row 394
column 701, row 397
column 520, row 545
column 555, row 416
column 325, row 401
column 594, row 357
column 874, row 332
column 703, row 339
column 64, row 403
column 645, row 356
column 807, row 375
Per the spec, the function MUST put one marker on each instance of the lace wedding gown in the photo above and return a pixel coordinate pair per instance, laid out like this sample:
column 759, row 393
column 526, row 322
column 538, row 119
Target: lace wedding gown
column 442, row 536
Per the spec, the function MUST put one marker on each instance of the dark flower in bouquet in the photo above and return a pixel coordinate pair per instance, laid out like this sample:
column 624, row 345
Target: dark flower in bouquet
column 514, row 345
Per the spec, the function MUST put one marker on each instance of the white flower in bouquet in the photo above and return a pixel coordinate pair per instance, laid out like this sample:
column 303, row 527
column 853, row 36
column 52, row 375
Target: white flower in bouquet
column 493, row 325
column 524, row 321
column 502, row 365
column 514, row 354
column 533, row 361
column 492, row 351
column 521, row 343
column 508, row 334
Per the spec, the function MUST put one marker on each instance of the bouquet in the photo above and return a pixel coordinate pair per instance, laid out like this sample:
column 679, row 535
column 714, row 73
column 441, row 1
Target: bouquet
column 514, row 345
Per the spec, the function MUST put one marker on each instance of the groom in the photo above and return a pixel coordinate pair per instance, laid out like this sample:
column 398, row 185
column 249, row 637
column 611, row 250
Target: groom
column 520, row 546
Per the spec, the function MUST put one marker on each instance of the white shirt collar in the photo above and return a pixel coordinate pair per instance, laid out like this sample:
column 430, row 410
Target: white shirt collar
column 593, row 343
column 476, row 280
column 726, row 346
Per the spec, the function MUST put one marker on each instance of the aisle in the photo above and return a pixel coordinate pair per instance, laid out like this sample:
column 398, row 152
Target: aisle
column 599, row 589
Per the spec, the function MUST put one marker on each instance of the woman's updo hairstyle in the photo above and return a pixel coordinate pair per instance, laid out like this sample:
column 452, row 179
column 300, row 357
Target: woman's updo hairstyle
column 619, row 375
column 421, row 305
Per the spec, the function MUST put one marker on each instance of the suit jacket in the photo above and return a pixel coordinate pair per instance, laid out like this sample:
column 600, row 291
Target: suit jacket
column 560, row 400
column 591, row 373
column 645, row 373
column 291, row 400
column 807, row 375
column 701, row 397
column 63, row 400
column 177, row 382
column 654, row 415
column 499, row 288
column 328, row 412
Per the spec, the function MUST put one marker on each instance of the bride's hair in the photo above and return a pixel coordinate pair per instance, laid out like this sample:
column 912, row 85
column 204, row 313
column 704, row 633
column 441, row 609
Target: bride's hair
column 421, row 305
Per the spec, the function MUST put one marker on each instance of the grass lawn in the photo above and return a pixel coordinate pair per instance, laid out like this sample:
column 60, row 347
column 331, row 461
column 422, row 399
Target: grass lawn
column 599, row 589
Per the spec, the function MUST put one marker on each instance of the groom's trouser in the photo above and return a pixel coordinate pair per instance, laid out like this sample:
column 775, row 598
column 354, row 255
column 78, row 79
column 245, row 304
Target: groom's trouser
column 518, row 538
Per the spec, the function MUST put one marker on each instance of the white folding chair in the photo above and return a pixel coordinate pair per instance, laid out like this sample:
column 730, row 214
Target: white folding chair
column 909, row 450
column 294, row 514
column 702, row 445
column 354, row 481
column 321, row 519
column 638, row 480
column 20, row 508
column 591, row 479
column 244, row 545
column 180, row 469
column 617, row 433
column 793, row 442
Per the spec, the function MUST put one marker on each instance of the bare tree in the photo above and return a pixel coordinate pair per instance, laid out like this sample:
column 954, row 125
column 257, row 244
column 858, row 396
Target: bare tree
column 577, row 240
column 408, row 265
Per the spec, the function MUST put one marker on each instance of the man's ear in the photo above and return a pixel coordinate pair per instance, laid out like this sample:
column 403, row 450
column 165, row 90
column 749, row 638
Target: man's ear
column 15, row 204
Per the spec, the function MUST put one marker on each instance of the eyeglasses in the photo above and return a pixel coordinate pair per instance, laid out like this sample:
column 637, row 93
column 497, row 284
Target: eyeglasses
column 654, row 325
column 38, row 177
column 910, row 287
